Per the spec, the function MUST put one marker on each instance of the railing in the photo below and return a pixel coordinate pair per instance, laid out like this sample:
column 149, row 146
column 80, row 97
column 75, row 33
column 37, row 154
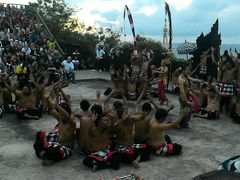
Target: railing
column 17, row 6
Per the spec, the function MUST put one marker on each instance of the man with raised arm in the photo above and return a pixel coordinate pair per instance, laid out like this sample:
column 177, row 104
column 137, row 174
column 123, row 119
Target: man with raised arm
column 86, row 118
column 101, row 157
column 57, row 145
column 226, row 75
column 142, row 126
column 26, row 100
column 123, row 128
column 160, row 144
column 213, row 104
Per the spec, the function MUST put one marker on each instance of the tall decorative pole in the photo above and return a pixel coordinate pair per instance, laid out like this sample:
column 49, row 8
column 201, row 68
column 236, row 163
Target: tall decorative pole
column 165, row 38
column 126, row 10
column 168, row 12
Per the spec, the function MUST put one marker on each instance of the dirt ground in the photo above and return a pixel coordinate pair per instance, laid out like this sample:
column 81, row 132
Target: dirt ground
column 205, row 145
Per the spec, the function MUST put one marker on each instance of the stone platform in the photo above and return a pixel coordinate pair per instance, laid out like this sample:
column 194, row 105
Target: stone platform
column 205, row 145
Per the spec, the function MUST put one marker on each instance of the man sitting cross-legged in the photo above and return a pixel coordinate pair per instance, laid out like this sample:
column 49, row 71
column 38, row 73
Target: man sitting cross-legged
column 86, row 118
column 26, row 100
column 57, row 145
column 123, row 128
column 101, row 157
column 213, row 104
column 161, row 144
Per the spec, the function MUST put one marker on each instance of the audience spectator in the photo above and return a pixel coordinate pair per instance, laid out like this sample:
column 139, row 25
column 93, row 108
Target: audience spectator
column 69, row 69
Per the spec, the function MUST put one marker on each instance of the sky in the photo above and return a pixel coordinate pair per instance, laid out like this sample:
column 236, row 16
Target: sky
column 189, row 17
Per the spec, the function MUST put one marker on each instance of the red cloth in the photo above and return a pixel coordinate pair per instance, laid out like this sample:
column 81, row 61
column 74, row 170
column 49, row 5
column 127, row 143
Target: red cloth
column 161, row 91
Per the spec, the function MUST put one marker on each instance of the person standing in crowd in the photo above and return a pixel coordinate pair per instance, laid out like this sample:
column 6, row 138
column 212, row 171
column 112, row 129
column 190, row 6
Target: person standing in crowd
column 99, row 59
column 69, row 69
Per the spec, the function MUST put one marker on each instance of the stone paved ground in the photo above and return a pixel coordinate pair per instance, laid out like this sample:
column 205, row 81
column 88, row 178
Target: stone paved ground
column 205, row 145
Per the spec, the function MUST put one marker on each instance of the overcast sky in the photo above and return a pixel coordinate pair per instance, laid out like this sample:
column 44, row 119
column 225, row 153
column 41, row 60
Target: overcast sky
column 189, row 17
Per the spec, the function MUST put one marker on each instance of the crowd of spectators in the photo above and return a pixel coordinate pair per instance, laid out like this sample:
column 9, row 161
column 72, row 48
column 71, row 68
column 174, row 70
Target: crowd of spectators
column 24, row 44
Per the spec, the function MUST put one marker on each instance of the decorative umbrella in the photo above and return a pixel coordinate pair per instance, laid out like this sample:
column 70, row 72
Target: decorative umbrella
column 186, row 48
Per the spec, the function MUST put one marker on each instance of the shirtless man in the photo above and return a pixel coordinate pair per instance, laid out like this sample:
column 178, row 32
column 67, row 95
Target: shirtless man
column 175, row 75
column 202, row 66
column 160, row 144
column 26, row 100
column 224, row 83
column 120, row 84
column 213, row 102
column 101, row 157
column 123, row 129
column 200, row 95
column 86, row 119
column 57, row 145
column 143, row 76
column 131, row 85
column 185, row 100
column 135, row 68
column 142, row 127
column 144, row 65
column 141, row 134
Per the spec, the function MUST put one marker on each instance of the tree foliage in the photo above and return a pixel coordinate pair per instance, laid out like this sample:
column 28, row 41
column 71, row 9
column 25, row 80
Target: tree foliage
column 55, row 13
column 108, row 38
column 151, row 44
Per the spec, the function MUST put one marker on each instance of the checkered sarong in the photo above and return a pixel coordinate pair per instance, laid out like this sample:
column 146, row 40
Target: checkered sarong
column 140, row 146
column 124, row 149
column 52, row 136
column 164, row 150
column 64, row 151
column 203, row 69
column 51, row 140
column 102, row 155
column 226, row 89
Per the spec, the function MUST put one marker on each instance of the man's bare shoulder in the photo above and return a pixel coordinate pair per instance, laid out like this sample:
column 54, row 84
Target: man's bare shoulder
column 154, row 123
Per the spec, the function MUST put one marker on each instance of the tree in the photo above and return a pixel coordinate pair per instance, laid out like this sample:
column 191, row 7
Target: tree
column 55, row 13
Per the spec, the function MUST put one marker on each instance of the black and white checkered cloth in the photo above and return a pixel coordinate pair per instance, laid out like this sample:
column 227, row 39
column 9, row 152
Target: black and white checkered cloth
column 226, row 90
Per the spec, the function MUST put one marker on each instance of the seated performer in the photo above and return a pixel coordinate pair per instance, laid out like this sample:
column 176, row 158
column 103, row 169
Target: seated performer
column 213, row 102
column 200, row 95
column 86, row 119
column 161, row 144
column 101, row 157
column 123, row 128
column 142, row 127
column 57, row 145
column 26, row 100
